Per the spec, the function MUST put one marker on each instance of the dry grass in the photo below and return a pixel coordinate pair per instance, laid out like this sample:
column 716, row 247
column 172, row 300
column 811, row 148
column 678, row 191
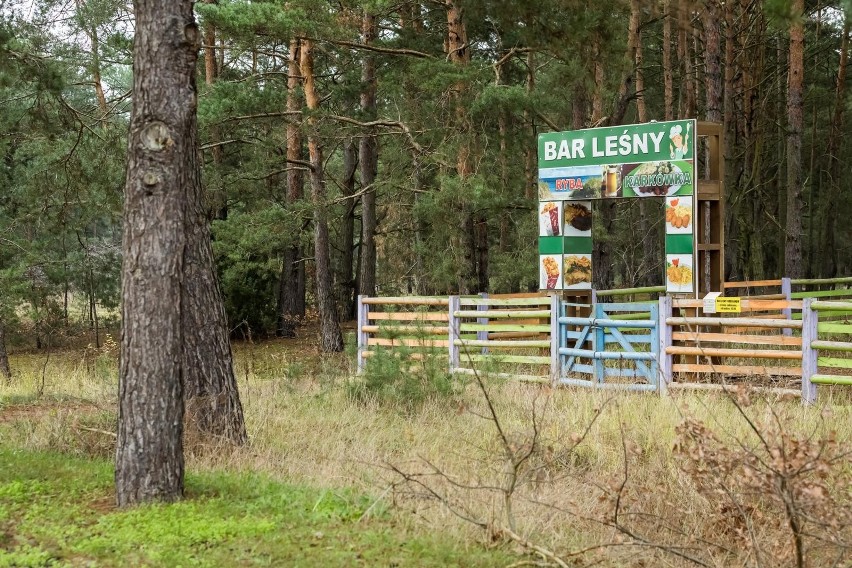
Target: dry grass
column 637, row 455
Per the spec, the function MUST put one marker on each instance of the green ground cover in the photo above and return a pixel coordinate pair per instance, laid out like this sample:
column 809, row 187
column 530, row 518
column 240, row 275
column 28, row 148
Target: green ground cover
column 56, row 510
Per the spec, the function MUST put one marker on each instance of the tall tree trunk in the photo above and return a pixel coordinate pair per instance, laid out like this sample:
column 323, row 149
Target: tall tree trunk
column 211, row 74
column 668, row 75
column 830, row 259
column 91, row 30
column 795, row 206
column 347, row 278
column 530, row 164
column 684, row 37
column 162, row 167
column 648, row 221
column 5, row 370
column 473, row 226
column 291, row 288
column 331, row 339
column 713, row 86
column 368, row 156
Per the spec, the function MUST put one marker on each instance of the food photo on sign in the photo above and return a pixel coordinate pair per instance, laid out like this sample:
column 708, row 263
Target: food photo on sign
column 679, row 273
column 549, row 218
column 550, row 272
column 679, row 215
column 577, row 271
column 578, row 219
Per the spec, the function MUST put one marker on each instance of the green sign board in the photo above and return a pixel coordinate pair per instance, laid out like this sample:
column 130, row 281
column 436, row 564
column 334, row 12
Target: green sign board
column 656, row 159
column 639, row 160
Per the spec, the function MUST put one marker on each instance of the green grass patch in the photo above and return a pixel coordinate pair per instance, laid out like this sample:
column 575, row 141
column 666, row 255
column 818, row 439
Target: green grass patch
column 57, row 510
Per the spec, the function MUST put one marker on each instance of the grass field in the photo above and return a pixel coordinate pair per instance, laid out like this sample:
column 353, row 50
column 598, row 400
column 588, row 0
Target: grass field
column 561, row 477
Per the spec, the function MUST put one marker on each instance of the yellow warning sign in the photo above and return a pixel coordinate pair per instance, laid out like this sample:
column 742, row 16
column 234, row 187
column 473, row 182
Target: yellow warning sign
column 728, row 305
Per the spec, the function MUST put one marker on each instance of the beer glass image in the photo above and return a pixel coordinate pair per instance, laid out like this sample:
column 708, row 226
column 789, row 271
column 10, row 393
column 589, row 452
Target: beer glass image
column 611, row 181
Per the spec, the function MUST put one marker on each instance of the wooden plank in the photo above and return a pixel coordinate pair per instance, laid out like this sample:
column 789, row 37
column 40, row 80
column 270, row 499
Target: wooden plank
column 742, row 353
column 399, row 342
column 543, row 343
column 832, row 345
column 832, row 380
column 810, row 319
column 629, row 291
column 734, row 322
column 515, row 376
column 823, row 281
column 408, row 316
column 752, row 284
column 822, row 294
column 425, row 329
column 830, row 327
column 413, row 356
column 718, row 387
column 831, row 306
column 504, row 327
column 502, row 314
column 499, row 358
column 834, row 362
column 742, row 370
column 510, row 302
column 702, row 337
column 408, row 301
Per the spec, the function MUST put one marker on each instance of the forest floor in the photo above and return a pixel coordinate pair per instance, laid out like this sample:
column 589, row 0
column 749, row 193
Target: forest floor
column 488, row 473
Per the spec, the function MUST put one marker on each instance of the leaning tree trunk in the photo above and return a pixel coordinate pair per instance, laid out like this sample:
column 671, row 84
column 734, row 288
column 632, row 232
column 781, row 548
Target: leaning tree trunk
column 368, row 157
column 795, row 205
column 162, row 163
column 5, row 370
column 331, row 339
column 213, row 408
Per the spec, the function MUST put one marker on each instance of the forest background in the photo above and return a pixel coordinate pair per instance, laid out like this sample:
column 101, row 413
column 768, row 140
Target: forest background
column 425, row 115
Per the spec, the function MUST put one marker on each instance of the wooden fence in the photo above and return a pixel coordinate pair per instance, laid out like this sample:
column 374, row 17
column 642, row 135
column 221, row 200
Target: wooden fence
column 774, row 344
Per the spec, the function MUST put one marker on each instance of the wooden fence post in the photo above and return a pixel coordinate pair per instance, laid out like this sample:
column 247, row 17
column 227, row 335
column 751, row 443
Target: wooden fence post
column 665, row 334
column 555, row 340
column 362, row 337
column 787, row 289
column 483, row 334
column 810, row 321
column 454, row 332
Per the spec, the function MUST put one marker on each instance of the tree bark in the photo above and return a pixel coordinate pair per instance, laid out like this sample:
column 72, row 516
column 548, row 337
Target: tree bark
column 291, row 289
column 347, row 282
column 162, row 165
column 331, row 339
column 5, row 370
column 795, row 205
column 668, row 76
column 368, row 157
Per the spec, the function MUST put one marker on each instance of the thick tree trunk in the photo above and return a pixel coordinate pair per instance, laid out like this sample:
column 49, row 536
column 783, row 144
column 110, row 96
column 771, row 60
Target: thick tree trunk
column 5, row 370
column 795, row 206
column 331, row 339
column 162, row 169
column 368, row 156
column 713, row 85
column 291, row 289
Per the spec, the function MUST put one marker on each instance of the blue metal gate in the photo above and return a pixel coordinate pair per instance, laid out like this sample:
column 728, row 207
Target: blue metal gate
column 624, row 340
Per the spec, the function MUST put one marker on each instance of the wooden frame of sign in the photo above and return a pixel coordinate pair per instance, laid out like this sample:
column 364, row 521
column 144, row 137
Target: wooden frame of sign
column 710, row 233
